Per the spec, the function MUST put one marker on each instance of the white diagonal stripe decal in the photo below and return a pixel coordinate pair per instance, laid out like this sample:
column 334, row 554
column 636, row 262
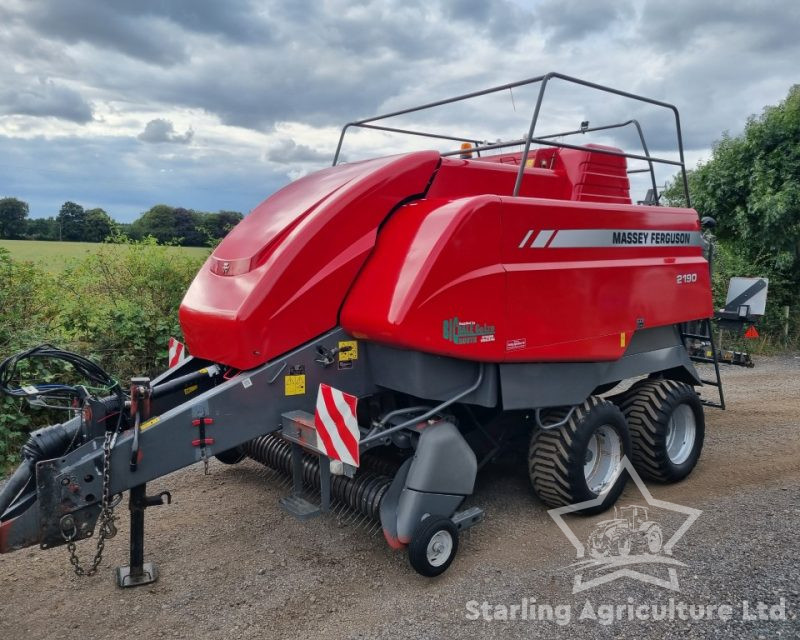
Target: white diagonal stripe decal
column 542, row 239
column 333, row 433
column 347, row 413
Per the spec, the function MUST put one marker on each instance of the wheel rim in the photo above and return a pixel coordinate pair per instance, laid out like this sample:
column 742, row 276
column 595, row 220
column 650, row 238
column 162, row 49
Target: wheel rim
column 681, row 431
column 440, row 546
column 603, row 459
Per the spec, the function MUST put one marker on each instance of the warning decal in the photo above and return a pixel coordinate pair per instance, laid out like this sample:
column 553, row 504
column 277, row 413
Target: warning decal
column 337, row 427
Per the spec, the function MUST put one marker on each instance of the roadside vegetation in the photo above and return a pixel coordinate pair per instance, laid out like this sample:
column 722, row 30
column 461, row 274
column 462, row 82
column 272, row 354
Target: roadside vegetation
column 117, row 305
column 751, row 187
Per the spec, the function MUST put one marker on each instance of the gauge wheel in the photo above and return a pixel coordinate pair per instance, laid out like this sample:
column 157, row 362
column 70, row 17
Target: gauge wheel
column 433, row 546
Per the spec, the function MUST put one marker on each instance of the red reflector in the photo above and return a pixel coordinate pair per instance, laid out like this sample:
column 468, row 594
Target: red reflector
column 202, row 441
column 198, row 422
column 752, row 332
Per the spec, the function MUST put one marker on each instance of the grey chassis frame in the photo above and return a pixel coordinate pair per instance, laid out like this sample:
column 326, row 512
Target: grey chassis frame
column 253, row 403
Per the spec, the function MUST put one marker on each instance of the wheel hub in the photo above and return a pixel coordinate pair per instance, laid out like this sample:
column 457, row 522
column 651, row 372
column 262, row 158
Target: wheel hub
column 439, row 548
column 603, row 459
column 681, row 433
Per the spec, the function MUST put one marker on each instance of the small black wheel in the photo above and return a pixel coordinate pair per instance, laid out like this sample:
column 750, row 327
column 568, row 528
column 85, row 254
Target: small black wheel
column 667, row 427
column 433, row 546
column 231, row 456
column 582, row 459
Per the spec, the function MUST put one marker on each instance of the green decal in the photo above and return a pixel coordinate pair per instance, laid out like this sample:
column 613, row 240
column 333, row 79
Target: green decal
column 467, row 331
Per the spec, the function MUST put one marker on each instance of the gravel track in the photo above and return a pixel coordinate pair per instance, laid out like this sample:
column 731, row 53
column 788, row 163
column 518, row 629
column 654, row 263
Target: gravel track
column 233, row 564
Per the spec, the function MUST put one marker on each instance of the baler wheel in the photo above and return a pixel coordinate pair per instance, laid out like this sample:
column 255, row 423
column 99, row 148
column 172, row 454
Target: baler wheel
column 667, row 428
column 582, row 459
column 433, row 546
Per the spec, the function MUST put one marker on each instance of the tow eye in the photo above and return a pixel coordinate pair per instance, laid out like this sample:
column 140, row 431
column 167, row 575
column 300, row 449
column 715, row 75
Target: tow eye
column 140, row 572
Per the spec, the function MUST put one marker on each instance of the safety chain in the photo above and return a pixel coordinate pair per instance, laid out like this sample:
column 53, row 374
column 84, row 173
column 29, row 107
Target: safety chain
column 106, row 519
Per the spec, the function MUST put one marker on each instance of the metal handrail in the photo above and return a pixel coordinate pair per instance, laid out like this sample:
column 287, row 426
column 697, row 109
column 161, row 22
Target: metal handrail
column 543, row 80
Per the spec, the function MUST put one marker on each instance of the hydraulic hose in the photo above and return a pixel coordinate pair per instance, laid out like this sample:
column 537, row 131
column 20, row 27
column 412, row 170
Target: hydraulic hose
column 16, row 483
column 43, row 444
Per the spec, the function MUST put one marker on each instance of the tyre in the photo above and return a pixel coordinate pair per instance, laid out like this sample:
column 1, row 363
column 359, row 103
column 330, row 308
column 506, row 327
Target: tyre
column 667, row 428
column 582, row 459
column 231, row 456
column 433, row 546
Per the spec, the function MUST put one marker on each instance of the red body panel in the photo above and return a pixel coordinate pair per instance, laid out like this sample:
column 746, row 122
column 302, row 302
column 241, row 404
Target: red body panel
column 437, row 260
column 467, row 271
column 280, row 277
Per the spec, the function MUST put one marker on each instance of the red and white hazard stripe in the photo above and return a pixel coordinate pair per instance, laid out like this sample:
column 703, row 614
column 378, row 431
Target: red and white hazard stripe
column 337, row 427
column 177, row 352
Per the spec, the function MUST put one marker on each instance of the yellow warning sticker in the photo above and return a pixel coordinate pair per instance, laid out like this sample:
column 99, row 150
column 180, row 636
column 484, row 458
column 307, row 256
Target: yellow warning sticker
column 149, row 423
column 189, row 390
column 348, row 350
column 294, row 385
column 622, row 339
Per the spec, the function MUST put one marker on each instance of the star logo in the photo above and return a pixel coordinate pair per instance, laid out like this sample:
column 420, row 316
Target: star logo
column 635, row 537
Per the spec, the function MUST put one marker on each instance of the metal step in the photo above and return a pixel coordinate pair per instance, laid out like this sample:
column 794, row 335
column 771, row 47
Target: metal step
column 299, row 507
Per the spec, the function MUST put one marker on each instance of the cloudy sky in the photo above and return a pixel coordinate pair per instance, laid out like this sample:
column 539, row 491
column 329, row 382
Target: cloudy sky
column 213, row 105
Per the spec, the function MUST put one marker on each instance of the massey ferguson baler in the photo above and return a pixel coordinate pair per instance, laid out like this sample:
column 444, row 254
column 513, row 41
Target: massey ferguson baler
column 380, row 330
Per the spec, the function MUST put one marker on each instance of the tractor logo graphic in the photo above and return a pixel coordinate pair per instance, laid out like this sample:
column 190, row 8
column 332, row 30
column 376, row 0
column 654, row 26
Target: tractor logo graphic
column 637, row 543
column 629, row 531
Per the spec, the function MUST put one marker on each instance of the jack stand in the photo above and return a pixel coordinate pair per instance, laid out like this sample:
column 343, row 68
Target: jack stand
column 140, row 572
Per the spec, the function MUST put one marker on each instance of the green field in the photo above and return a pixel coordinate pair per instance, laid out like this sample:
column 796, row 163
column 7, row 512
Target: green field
column 54, row 256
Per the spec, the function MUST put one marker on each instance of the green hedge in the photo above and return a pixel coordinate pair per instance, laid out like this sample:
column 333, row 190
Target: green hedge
column 117, row 307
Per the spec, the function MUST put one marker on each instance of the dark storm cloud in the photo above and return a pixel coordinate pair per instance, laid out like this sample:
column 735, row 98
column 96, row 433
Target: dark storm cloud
column 239, row 20
column 257, row 63
column 568, row 21
column 22, row 95
column 320, row 62
column 99, row 24
column 757, row 27
column 162, row 130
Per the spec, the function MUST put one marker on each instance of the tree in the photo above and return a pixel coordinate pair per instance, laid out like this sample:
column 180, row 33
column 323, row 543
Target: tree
column 42, row 229
column 751, row 186
column 171, row 224
column 218, row 225
column 13, row 214
column 158, row 222
column 188, row 230
column 98, row 225
column 71, row 221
